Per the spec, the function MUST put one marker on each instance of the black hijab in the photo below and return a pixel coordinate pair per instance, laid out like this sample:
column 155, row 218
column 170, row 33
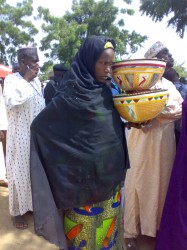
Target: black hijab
column 78, row 140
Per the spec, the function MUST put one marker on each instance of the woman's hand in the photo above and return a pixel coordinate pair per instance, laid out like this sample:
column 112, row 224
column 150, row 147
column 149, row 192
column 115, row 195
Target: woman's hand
column 139, row 125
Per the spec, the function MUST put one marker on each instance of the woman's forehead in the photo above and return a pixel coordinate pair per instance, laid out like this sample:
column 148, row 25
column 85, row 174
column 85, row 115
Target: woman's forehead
column 107, row 53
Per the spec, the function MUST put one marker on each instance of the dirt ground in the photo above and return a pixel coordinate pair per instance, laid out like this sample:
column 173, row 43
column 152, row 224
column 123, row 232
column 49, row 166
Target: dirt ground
column 14, row 239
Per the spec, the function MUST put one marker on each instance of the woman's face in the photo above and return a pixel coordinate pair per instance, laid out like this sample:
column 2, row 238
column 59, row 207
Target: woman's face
column 103, row 65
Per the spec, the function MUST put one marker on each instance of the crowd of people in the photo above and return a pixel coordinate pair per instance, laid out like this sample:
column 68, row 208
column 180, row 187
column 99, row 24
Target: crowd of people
column 69, row 154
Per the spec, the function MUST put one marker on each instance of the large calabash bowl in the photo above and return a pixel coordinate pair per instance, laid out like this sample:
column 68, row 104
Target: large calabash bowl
column 137, row 74
column 141, row 107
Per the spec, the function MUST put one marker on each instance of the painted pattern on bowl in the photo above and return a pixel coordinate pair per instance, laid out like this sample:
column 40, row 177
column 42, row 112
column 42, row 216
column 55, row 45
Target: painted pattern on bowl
column 138, row 74
column 141, row 107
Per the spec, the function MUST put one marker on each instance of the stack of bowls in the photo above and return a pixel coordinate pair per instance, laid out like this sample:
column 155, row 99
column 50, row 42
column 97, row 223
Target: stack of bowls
column 138, row 102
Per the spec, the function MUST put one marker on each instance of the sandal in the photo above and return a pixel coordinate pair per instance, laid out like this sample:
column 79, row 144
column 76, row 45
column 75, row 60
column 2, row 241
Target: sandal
column 19, row 222
column 3, row 184
column 131, row 244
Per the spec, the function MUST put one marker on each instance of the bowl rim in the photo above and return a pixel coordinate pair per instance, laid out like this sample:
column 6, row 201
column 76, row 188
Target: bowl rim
column 132, row 95
column 139, row 59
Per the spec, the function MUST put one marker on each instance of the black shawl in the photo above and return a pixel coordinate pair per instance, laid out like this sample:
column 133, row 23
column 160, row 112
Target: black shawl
column 78, row 143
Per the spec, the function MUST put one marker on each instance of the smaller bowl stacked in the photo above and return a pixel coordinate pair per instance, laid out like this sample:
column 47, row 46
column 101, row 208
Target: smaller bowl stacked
column 135, row 78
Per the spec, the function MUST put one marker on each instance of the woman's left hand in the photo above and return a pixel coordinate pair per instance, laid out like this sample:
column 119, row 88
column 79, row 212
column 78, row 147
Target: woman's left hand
column 139, row 125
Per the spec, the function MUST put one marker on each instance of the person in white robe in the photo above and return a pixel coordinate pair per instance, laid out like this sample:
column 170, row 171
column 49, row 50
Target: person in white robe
column 3, row 127
column 24, row 100
column 151, row 152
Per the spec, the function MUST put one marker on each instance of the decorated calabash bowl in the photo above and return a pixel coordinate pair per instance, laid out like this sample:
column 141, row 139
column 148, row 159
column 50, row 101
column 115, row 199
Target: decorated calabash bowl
column 142, row 106
column 137, row 74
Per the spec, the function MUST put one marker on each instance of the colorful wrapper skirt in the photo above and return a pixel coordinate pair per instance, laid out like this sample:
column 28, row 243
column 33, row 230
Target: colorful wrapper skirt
column 96, row 227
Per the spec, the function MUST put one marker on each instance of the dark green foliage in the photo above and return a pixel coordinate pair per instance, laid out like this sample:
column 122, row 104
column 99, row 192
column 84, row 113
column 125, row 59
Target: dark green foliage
column 180, row 69
column 64, row 35
column 175, row 10
column 15, row 29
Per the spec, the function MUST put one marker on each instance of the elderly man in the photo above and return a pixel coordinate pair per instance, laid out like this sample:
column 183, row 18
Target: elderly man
column 160, row 51
column 151, row 153
column 24, row 100
column 170, row 74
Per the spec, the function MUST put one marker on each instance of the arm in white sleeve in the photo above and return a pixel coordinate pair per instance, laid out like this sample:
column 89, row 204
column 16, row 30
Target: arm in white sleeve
column 173, row 108
column 3, row 116
column 16, row 91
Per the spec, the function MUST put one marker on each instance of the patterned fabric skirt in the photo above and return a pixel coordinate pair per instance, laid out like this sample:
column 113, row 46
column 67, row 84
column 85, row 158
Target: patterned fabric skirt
column 97, row 227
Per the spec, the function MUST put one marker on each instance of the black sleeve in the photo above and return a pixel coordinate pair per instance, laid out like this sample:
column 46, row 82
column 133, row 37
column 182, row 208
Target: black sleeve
column 49, row 92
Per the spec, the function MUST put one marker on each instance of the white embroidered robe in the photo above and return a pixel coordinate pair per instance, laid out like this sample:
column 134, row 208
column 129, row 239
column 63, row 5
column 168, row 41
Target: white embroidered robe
column 24, row 100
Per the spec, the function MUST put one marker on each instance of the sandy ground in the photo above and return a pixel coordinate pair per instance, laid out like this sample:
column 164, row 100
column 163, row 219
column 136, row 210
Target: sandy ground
column 14, row 239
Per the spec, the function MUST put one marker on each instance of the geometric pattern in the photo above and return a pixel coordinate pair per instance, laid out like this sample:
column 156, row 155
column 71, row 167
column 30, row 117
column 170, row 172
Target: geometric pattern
column 140, row 108
column 137, row 76
column 96, row 227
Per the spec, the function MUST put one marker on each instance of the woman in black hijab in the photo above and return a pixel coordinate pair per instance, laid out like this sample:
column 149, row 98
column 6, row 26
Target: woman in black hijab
column 79, row 156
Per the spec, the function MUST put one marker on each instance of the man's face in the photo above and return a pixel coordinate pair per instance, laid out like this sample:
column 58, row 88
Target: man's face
column 30, row 62
column 166, row 56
